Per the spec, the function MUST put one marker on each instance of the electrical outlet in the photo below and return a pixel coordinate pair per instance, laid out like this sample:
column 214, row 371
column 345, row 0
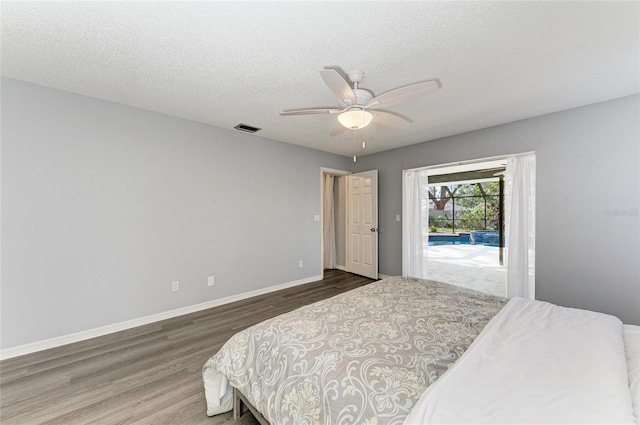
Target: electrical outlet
column 211, row 281
column 300, row 264
column 175, row 286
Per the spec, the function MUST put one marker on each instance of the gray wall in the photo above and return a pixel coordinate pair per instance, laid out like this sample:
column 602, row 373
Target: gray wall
column 104, row 205
column 587, row 224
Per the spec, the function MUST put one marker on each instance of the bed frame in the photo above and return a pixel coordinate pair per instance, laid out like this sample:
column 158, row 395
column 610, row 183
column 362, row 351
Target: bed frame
column 238, row 400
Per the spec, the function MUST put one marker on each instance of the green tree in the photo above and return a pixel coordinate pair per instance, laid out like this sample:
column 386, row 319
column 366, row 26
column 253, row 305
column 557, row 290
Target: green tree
column 472, row 214
column 470, row 200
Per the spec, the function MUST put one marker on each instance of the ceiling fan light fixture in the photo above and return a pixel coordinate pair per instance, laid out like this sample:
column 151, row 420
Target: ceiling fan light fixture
column 355, row 119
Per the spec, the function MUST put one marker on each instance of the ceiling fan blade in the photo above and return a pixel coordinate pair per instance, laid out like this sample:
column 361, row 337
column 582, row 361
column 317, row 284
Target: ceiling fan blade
column 403, row 94
column 389, row 119
column 338, row 85
column 338, row 130
column 311, row 111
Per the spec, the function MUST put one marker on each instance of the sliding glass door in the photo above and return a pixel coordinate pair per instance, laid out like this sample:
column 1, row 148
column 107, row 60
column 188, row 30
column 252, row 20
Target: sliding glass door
column 454, row 227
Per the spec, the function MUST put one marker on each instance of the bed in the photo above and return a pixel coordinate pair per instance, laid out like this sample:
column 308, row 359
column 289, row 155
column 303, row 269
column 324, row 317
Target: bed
column 409, row 351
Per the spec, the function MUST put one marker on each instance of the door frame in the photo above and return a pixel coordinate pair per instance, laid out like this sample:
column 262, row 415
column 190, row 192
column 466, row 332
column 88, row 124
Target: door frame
column 469, row 165
column 473, row 163
column 323, row 171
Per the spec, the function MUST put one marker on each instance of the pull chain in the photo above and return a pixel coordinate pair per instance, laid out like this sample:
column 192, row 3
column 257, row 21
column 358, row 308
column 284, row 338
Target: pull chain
column 354, row 145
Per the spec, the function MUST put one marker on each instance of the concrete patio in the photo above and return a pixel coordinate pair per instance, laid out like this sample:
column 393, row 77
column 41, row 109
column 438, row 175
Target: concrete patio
column 471, row 266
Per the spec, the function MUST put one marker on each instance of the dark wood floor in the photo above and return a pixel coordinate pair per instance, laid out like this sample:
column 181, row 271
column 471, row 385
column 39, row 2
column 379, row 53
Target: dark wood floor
column 147, row 375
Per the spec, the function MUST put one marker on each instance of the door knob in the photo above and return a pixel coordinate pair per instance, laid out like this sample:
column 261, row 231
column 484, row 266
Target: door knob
column 373, row 229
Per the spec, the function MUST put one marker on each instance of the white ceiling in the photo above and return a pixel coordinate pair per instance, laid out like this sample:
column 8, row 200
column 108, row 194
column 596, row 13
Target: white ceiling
column 223, row 63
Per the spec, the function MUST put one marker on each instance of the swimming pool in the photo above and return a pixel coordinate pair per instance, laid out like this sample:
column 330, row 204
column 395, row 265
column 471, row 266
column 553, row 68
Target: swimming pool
column 475, row 237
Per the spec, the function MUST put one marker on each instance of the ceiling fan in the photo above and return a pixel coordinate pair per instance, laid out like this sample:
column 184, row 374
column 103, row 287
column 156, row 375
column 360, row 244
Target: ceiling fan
column 359, row 107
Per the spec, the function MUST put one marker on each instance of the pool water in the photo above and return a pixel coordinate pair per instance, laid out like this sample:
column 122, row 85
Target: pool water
column 445, row 240
column 475, row 237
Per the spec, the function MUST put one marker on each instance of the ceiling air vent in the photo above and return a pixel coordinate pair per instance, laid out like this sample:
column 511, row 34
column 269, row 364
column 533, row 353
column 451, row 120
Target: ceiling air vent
column 246, row 128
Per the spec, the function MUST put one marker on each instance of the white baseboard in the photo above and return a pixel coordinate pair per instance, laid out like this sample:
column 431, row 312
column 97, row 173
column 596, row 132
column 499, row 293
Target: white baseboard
column 46, row 344
column 383, row 276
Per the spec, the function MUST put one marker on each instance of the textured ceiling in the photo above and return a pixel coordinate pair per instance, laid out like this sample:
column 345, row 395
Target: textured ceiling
column 223, row 63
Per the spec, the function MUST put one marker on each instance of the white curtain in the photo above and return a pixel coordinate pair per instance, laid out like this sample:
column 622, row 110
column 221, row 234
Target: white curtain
column 520, row 208
column 329, row 227
column 414, row 249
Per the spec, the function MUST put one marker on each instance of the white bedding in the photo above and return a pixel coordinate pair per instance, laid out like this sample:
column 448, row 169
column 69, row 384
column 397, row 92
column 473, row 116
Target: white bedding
column 536, row 363
column 364, row 356
column 217, row 392
column 632, row 347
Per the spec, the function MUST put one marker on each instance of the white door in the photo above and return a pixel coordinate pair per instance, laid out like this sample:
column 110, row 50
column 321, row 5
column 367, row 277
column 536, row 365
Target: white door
column 362, row 224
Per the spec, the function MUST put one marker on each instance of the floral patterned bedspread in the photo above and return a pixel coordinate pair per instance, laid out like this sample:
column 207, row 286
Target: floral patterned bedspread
column 361, row 357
